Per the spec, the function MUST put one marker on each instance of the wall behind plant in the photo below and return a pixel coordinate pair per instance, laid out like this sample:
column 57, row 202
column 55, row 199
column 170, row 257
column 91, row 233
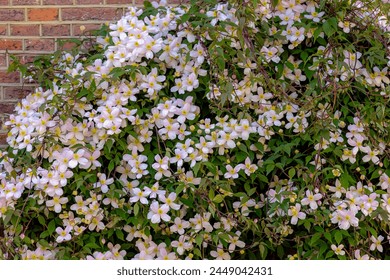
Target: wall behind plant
column 32, row 27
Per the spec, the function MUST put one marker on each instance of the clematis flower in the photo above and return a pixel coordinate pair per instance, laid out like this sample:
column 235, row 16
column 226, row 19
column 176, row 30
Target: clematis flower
column 158, row 213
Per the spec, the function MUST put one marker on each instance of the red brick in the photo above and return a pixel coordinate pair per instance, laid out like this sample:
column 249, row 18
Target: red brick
column 58, row 2
column 56, row 30
column 3, row 29
column 4, row 2
column 66, row 45
column 100, row 14
column 178, row 2
column 16, row 93
column 3, row 139
column 11, row 78
column 40, row 45
column 173, row 2
column 3, row 60
column 7, row 108
column 7, row 44
column 11, row 14
column 26, row 58
column 89, row 2
column 119, row 2
column 25, row 30
column 25, row 2
column 43, row 14
column 88, row 27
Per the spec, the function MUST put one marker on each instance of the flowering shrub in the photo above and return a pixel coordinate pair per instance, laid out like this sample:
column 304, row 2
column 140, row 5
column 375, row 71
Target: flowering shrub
column 239, row 130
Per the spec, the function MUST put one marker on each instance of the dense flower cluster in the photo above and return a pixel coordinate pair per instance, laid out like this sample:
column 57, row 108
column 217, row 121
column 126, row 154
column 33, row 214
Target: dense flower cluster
column 136, row 141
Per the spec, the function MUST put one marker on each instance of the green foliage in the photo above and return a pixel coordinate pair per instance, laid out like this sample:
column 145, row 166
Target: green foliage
column 213, row 130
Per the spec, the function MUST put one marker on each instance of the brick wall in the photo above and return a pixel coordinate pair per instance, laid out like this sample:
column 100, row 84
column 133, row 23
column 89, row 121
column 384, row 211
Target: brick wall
column 32, row 27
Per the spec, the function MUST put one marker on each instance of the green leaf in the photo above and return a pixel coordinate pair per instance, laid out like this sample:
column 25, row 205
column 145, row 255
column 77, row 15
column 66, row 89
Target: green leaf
column 241, row 156
column 291, row 173
column 304, row 55
column 195, row 169
column 51, row 227
column 338, row 236
column 328, row 236
column 136, row 209
column 269, row 168
column 263, row 250
column 111, row 166
column 218, row 198
column 220, row 63
column 44, row 234
column 180, row 188
column 199, row 240
column 8, row 216
column 41, row 220
column 108, row 146
column 120, row 235
column 329, row 254
column 315, row 238
column 330, row 26
column 211, row 194
column 322, row 251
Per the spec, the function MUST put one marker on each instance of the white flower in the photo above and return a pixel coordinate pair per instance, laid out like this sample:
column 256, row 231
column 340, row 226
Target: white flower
column 338, row 250
column 63, row 234
column 376, row 243
column 295, row 213
column 158, row 213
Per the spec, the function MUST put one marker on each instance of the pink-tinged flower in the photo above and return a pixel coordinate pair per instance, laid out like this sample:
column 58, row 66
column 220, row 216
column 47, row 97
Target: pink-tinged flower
column 140, row 195
column 232, row 172
column 63, row 234
column 234, row 241
column 287, row 18
column 248, row 167
column 384, row 181
column 370, row 155
column 297, row 34
column 311, row 199
column 295, row 213
column 348, row 154
column 57, row 202
column 179, row 226
column 198, row 53
column 169, row 201
column 348, row 219
column 163, row 254
column 352, row 59
column 103, row 182
column 358, row 257
column 376, row 243
column 220, row 254
column 204, row 146
column 154, row 190
column 313, row 14
column 161, row 166
column 338, row 250
column 346, row 25
column 337, row 189
column 92, row 160
column 54, row 190
column 181, row 245
column 189, row 178
column 96, row 223
column 63, row 159
column 179, row 157
column 158, row 213
column 357, row 143
column 78, row 159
